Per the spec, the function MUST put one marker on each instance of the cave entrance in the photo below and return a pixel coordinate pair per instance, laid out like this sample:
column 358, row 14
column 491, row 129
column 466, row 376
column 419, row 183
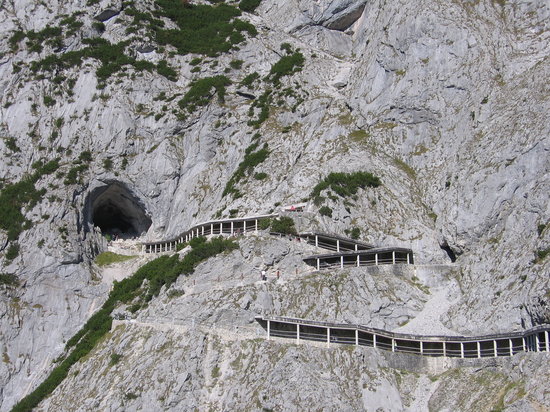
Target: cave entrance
column 117, row 212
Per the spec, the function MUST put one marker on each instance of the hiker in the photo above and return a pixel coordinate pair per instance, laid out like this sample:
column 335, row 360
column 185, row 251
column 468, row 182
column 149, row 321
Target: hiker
column 264, row 275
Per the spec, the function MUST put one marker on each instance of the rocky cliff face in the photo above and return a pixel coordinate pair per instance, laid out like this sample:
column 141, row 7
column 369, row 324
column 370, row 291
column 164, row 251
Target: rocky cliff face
column 446, row 102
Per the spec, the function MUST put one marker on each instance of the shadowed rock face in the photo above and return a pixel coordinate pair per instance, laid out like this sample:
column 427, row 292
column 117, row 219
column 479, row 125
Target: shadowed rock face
column 115, row 210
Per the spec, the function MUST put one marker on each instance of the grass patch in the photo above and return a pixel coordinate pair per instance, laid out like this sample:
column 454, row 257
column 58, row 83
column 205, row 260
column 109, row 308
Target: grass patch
column 405, row 167
column 107, row 258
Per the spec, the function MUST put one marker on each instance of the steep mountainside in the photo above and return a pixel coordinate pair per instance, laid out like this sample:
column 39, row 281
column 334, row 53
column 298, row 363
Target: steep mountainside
column 141, row 119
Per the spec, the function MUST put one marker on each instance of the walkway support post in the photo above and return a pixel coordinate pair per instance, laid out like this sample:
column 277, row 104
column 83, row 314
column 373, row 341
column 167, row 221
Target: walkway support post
column 537, row 349
column 421, row 347
column 547, row 343
column 462, row 350
column 342, row 262
column 356, row 337
column 268, row 329
column 318, row 264
column 337, row 245
column 358, row 261
column 328, row 337
column 298, row 333
column 256, row 226
column 510, row 347
column 408, row 258
column 444, row 349
column 316, row 242
column 393, row 257
column 211, row 228
column 495, row 348
column 202, row 230
column 244, row 226
column 478, row 350
column 523, row 343
column 392, row 344
column 376, row 259
column 373, row 340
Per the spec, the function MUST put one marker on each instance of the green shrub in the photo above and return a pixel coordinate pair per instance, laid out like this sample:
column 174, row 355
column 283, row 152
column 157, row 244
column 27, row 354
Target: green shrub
column 250, row 79
column 263, row 103
column 99, row 26
column 115, row 358
column 260, row 176
column 107, row 164
column 49, row 101
column 355, row 233
column 346, row 184
column 85, row 156
column 284, row 224
column 165, row 70
column 74, row 174
column 236, row 64
column 249, row 5
column 9, row 279
column 197, row 241
column 325, row 211
column 181, row 246
column 540, row 228
column 286, row 47
column 200, row 92
column 265, row 224
column 286, row 66
column 15, row 39
column 202, row 28
column 175, row 293
column 12, row 199
column 11, row 144
column 251, row 159
column 541, row 254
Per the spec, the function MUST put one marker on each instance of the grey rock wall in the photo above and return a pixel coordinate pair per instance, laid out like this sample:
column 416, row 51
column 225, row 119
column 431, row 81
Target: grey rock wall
column 451, row 101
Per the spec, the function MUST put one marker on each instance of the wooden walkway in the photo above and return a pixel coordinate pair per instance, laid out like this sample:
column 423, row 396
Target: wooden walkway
column 212, row 227
column 377, row 256
column 507, row 344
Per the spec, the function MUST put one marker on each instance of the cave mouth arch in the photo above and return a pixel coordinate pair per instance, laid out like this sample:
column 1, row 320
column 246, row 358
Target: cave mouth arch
column 117, row 212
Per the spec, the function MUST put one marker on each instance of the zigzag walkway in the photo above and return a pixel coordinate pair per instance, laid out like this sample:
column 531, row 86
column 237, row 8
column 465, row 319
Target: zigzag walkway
column 507, row 344
column 349, row 252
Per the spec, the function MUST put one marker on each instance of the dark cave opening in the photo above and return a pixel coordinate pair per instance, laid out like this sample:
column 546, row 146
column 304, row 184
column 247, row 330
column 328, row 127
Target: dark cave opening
column 117, row 212
column 449, row 251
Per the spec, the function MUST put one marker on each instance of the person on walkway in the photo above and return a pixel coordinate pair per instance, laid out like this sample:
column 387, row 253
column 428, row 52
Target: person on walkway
column 264, row 275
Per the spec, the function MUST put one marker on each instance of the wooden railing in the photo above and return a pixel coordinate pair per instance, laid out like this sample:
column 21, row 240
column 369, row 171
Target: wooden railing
column 507, row 344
